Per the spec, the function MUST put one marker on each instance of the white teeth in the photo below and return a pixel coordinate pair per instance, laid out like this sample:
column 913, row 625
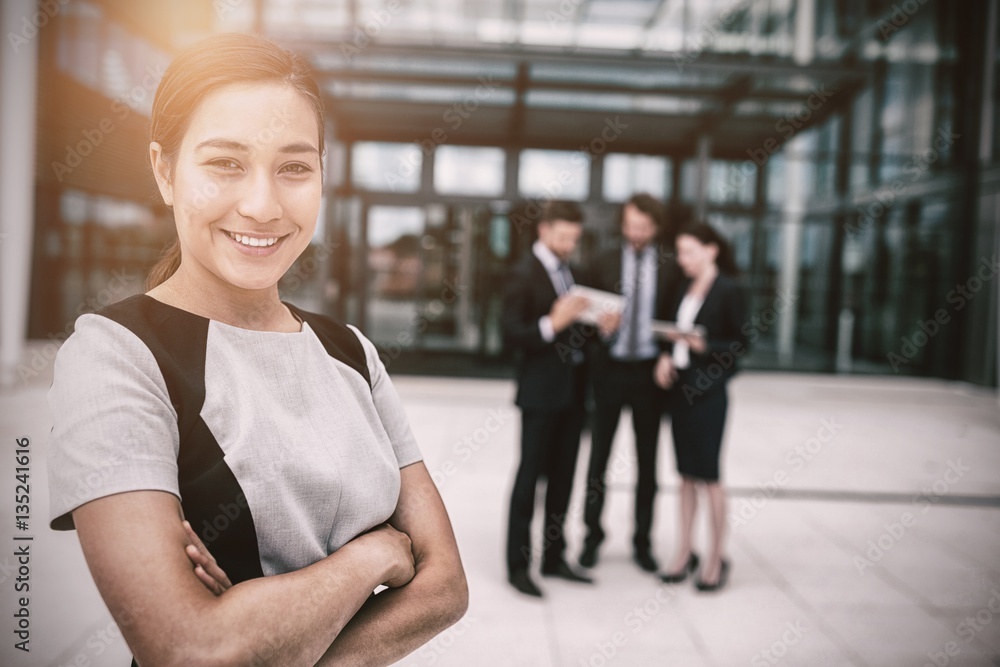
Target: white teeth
column 252, row 241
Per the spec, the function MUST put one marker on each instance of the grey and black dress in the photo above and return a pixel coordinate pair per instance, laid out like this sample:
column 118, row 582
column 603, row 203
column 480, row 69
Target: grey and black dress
column 281, row 447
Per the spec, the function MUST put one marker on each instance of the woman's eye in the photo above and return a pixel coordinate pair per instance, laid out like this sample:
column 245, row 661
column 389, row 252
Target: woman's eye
column 296, row 168
column 225, row 164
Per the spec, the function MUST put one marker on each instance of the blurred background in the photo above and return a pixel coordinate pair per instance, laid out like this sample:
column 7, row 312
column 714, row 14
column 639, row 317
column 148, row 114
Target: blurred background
column 848, row 148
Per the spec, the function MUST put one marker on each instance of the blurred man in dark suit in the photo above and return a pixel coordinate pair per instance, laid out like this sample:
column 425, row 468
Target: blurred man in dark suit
column 646, row 273
column 538, row 323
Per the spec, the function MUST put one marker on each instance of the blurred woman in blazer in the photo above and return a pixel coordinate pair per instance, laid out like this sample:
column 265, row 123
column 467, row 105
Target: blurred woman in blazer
column 698, row 366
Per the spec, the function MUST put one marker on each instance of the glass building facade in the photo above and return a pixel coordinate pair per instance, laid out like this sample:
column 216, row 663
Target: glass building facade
column 848, row 149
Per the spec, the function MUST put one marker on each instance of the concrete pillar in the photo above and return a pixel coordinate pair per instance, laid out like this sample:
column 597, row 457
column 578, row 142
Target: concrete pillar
column 701, row 194
column 18, row 83
column 798, row 154
column 986, row 151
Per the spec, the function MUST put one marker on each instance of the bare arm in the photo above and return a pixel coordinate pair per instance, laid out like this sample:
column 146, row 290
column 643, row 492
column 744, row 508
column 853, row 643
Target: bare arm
column 134, row 544
column 396, row 622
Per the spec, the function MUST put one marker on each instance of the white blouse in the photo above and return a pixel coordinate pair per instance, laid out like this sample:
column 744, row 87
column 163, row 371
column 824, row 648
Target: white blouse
column 686, row 314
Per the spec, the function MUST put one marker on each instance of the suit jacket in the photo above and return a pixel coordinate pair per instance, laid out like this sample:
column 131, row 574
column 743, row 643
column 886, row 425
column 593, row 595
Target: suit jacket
column 606, row 274
column 545, row 372
column 724, row 316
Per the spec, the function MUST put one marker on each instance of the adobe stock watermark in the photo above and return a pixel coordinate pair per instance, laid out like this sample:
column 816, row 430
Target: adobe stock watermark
column 93, row 137
column 470, row 444
column 121, row 285
column 47, row 10
column 895, row 531
column 564, row 12
column 453, row 118
column 723, row 361
column 796, row 459
column 436, row 648
column 210, row 190
column 613, row 129
column 968, row 628
column 898, row 17
column 367, row 32
column 450, row 293
column 303, row 270
column 911, row 172
column 637, row 618
column 958, row 298
column 102, row 639
column 774, row 653
column 789, row 125
column 709, row 33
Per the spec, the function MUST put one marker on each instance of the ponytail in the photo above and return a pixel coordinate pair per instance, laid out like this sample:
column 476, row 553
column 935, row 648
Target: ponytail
column 166, row 266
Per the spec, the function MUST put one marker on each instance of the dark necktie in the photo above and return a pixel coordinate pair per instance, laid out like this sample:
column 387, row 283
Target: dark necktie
column 632, row 343
column 565, row 282
column 565, row 277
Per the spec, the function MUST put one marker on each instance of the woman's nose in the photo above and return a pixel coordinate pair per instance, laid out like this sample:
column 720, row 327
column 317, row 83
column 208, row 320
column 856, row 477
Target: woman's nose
column 260, row 200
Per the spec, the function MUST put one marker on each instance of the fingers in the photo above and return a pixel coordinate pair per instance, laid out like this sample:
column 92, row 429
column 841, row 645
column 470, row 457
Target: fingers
column 209, row 581
column 193, row 536
column 202, row 558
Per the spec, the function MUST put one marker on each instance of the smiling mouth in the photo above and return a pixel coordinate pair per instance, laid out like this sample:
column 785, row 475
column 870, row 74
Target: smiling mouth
column 253, row 241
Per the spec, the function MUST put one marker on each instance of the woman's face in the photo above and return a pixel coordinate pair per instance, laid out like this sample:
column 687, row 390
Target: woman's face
column 695, row 256
column 246, row 183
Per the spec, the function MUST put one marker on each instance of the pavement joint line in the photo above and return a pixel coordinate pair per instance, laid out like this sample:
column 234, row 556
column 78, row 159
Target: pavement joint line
column 798, row 600
column 937, row 614
column 834, row 495
column 695, row 636
column 551, row 632
column 950, row 546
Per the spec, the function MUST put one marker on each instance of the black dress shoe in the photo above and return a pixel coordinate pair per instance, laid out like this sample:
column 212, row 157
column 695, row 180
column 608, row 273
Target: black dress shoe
column 588, row 558
column 718, row 585
column 563, row 571
column 645, row 560
column 521, row 580
column 688, row 569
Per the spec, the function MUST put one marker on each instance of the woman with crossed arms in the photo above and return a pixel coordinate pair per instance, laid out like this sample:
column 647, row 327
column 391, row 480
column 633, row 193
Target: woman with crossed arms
column 274, row 432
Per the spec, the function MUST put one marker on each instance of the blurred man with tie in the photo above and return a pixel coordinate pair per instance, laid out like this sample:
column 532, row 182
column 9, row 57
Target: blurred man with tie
column 645, row 273
column 538, row 323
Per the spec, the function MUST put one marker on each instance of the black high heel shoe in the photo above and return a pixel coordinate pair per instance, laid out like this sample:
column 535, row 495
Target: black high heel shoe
column 718, row 585
column 677, row 577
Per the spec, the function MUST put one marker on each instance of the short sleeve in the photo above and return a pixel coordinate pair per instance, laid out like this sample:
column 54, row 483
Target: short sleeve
column 114, row 427
column 389, row 406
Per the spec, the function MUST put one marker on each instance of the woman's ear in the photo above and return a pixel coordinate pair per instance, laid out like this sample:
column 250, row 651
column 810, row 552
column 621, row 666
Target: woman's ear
column 713, row 249
column 161, row 171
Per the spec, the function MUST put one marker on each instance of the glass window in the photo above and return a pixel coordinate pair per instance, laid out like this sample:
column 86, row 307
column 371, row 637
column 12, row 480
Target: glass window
column 74, row 207
column 385, row 166
column 395, row 270
column 775, row 167
column 729, row 181
column 625, row 175
column 554, row 174
column 732, row 182
column 85, row 66
column 465, row 170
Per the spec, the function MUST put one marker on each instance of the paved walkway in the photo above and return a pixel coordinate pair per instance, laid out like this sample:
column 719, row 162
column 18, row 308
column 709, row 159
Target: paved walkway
column 866, row 531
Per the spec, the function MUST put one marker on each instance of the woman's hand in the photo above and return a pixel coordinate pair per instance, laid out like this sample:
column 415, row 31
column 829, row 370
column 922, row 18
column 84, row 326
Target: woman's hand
column 397, row 548
column 664, row 374
column 205, row 567
column 696, row 342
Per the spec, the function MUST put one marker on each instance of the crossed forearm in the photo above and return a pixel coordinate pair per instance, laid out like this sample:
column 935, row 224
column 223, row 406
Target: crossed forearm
column 396, row 622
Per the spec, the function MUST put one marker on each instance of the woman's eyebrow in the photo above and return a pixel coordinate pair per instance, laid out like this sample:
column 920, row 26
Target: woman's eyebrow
column 301, row 147
column 229, row 144
column 223, row 143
